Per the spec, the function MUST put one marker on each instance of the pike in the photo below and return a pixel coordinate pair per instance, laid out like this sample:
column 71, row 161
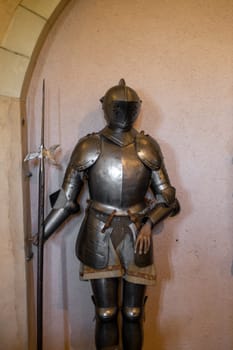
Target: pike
column 42, row 154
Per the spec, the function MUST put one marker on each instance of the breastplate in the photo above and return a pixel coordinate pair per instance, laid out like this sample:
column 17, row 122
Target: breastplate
column 118, row 178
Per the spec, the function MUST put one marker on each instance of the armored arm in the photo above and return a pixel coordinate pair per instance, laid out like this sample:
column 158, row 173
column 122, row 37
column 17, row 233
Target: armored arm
column 64, row 202
column 165, row 194
column 150, row 154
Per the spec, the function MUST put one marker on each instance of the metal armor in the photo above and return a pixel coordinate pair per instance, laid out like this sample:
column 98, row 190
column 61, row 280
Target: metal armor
column 121, row 106
column 120, row 165
column 119, row 171
column 118, row 179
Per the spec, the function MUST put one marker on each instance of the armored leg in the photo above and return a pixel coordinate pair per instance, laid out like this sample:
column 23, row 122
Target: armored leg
column 132, row 310
column 105, row 292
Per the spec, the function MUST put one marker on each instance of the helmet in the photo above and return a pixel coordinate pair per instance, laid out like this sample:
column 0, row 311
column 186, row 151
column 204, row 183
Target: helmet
column 121, row 106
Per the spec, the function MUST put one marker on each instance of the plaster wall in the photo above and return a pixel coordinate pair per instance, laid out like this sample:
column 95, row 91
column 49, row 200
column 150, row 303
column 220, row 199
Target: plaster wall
column 178, row 56
column 13, row 324
column 21, row 23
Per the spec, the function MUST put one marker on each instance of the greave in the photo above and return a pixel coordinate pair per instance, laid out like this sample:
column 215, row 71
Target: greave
column 132, row 315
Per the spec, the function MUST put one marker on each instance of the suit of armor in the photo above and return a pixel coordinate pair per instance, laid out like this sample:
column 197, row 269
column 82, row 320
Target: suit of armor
column 120, row 166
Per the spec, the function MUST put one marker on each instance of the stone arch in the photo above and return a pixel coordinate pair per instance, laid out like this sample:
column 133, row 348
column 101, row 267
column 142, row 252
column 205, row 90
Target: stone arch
column 24, row 28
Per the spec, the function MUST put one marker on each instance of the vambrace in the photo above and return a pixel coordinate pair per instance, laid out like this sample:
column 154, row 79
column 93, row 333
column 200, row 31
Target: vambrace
column 161, row 211
column 167, row 204
column 63, row 202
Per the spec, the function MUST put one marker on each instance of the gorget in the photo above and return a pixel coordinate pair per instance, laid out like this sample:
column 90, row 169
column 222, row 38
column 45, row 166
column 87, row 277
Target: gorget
column 119, row 137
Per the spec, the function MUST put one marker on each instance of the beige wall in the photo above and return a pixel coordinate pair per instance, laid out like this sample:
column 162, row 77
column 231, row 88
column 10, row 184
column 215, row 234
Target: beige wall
column 13, row 286
column 178, row 56
column 21, row 24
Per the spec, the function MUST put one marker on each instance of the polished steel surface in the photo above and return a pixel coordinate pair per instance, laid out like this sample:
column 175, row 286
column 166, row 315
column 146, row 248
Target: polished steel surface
column 148, row 151
column 108, row 209
column 120, row 166
column 118, row 178
column 86, row 152
column 159, row 213
column 66, row 202
column 132, row 311
column 105, row 297
column 92, row 246
column 106, row 313
column 55, row 218
column 160, row 179
column 165, row 194
column 121, row 106
column 72, row 183
column 118, row 136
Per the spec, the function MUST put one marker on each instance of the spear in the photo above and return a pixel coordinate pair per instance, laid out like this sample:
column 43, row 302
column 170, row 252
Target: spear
column 42, row 154
column 40, row 251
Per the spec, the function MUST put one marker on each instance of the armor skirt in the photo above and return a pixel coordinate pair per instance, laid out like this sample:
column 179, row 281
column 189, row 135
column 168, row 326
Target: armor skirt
column 120, row 240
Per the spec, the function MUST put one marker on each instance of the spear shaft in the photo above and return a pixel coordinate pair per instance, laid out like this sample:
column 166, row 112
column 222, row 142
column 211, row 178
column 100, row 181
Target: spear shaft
column 42, row 154
column 40, row 249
